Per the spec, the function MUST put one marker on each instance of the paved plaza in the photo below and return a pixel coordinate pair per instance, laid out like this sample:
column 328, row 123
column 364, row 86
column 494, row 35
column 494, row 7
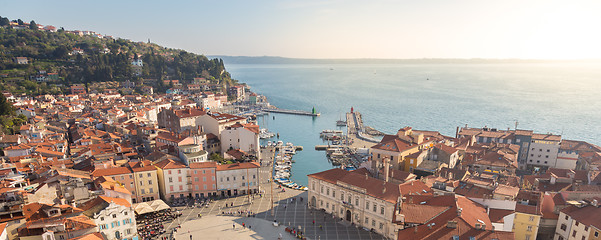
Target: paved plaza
column 216, row 220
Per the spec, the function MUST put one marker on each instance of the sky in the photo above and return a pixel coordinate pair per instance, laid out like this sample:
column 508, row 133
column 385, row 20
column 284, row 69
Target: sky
column 525, row 29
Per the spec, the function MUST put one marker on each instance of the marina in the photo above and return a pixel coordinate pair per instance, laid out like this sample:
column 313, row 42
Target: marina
column 283, row 164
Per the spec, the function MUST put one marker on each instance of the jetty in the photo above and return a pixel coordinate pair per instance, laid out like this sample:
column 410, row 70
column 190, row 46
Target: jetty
column 325, row 147
column 295, row 112
column 355, row 127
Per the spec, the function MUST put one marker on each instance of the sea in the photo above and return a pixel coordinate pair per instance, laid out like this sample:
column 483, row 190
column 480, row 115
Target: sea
column 549, row 97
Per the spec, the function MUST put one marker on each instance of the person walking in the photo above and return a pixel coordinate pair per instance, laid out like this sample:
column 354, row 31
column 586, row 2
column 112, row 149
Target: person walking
column 234, row 226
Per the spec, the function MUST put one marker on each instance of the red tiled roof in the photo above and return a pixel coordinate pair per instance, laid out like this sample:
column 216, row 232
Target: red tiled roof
column 169, row 164
column 234, row 166
column 110, row 171
column 203, row 165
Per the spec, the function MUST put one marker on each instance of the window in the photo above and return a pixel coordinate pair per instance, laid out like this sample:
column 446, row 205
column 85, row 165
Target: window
column 196, row 187
column 327, row 205
column 122, row 177
column 148, row 175
column 181, row 188
column 141, row 183
column 117, row 235
column 529, row 229
column 170, row 179
column 204, row 171
column 114, row 215
column 128, row 231
column 367, row 205
column 566, row 217
column 242, row 177
column 527, row 237
column 574, row 233
column 548, row 150
column 531, row 219
column 333, row 193
column 179, row 179
column 328, row 191
column 357, row 201
column 547, row 156
column 179, row 171
column 150, row 190
column 382, row 210
column 313, row 186
column 381, row 226
column 195, row 172
column 563, row 227
column 205, row 186
column 577, row 224
column 204, row 179
column 321, row 189
column 143, row 192
column 196, row 179
column 596, row 234
column 373, row 223
column 140, row 175
column 375, row 207
column 171, row 188
column 341, row 196
column 234, row 178
column 227, row 179
column 254, row 177
column 366, row 220
column 169, row 171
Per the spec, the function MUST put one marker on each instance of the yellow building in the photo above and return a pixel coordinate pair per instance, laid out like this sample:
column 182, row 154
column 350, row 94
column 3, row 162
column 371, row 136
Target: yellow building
column 146, row 181
column 526, row 222
column 595, row 233
column 413, row 160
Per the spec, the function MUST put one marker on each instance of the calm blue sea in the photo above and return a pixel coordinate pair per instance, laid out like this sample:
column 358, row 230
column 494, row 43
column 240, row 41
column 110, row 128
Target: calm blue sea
column 560, row 98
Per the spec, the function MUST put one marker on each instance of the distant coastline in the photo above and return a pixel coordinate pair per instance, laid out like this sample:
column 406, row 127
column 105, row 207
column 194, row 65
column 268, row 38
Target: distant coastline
column 284, row 60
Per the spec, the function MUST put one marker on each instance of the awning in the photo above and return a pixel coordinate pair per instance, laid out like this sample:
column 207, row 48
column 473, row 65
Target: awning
column 148, row 207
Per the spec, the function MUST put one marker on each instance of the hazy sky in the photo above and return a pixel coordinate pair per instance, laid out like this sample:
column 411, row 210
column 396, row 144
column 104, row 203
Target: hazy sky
column 338, row 29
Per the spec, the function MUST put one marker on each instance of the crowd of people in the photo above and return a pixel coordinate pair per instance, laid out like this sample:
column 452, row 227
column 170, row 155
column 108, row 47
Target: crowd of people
column 150, row 225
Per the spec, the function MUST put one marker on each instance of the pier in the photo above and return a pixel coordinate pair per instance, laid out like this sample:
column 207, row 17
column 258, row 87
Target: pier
column 325, row 147
column 295, row 112
column 355, row 127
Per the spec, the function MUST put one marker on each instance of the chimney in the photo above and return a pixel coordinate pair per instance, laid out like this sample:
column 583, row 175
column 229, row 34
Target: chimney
column 459, row 212
column 383, row 190
column 366, row 177
column 386, row 169
column 452, row 224
column 415, row 231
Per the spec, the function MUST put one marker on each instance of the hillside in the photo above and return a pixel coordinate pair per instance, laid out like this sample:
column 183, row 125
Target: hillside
column 57, row 58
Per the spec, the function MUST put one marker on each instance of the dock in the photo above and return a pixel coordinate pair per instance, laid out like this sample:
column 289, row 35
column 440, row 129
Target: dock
column 355, row 127
column 295, row 112
column 324, row 147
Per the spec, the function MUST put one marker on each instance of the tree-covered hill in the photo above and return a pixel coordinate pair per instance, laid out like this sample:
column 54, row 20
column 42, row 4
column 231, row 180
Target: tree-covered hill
column 93, row 58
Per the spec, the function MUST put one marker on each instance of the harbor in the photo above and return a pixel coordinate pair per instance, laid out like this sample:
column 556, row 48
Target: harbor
column 283, row 164
column 349, row 150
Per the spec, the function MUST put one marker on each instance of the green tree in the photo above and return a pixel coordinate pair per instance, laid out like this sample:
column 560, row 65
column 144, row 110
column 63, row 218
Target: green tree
column 4, row 21
column 33, row 25
column 6, row 108
column 20, row 22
